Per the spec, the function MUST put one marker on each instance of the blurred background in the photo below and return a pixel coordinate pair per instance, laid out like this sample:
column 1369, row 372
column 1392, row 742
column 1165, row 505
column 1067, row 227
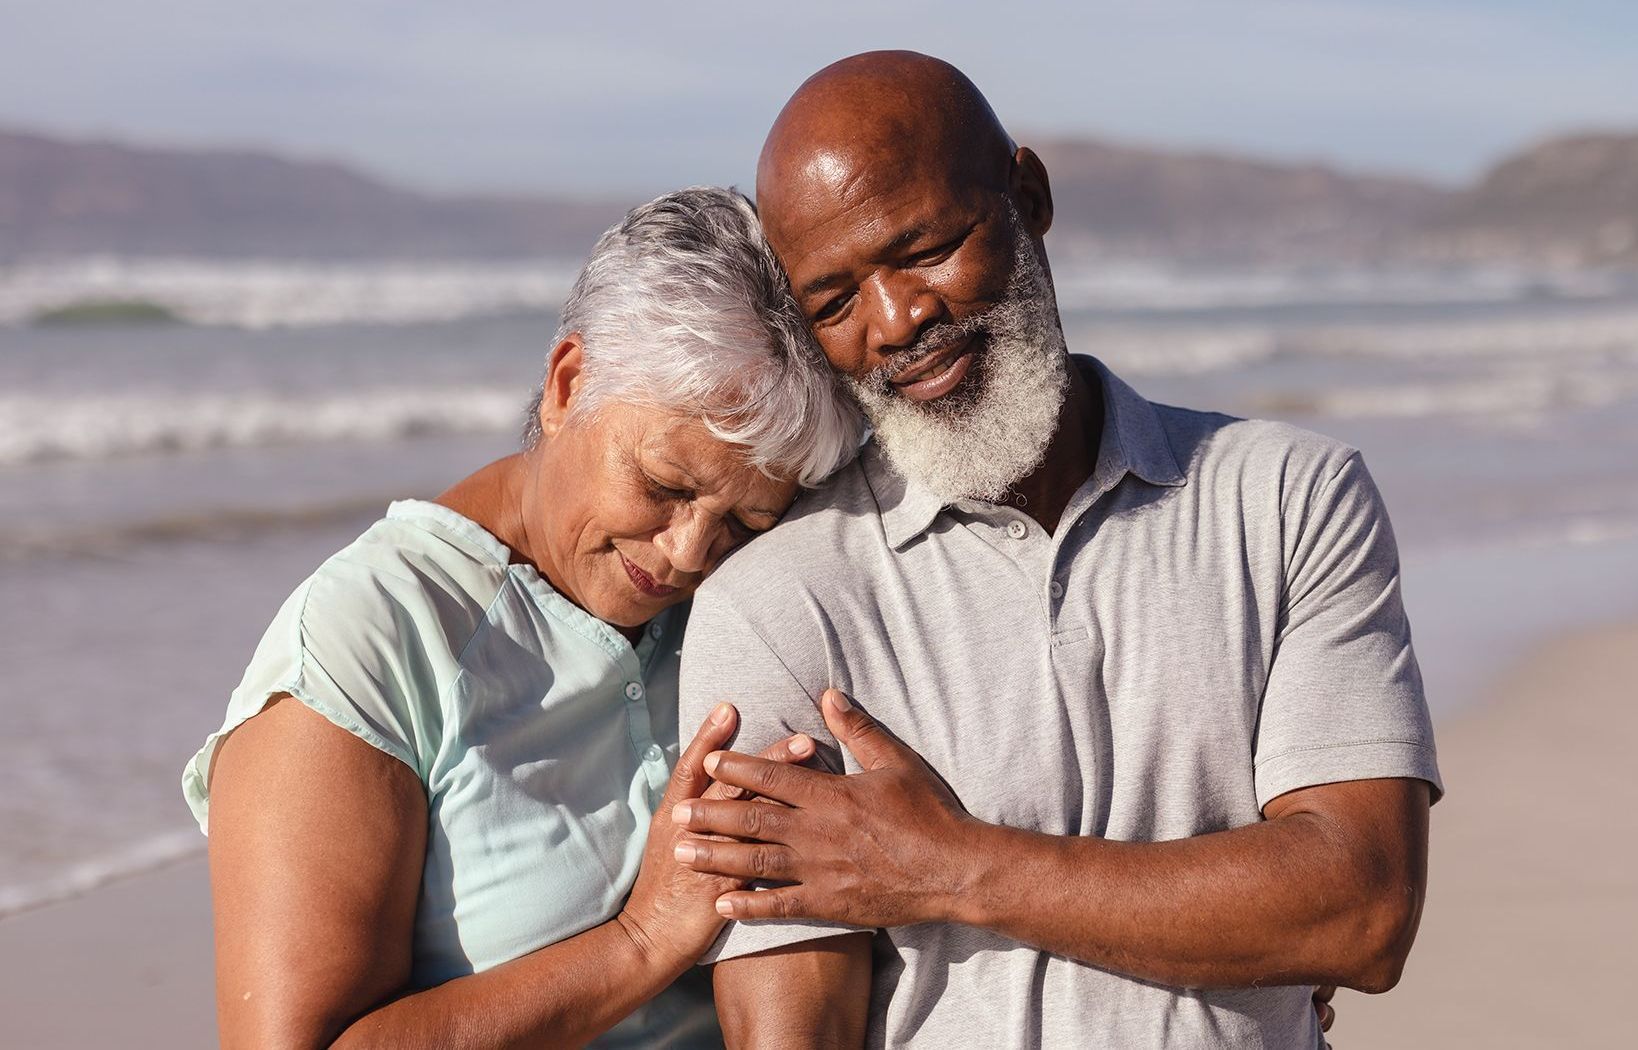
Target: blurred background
column 265, row 267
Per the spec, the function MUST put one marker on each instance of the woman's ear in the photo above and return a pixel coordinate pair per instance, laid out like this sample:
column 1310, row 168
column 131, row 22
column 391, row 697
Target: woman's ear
column 563, row 375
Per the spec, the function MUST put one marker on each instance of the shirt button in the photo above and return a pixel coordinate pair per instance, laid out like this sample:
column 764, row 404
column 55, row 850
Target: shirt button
column 655, row 630
column 634, row 690
column 1017, row 529
column 1056, row 589
column 652, row 753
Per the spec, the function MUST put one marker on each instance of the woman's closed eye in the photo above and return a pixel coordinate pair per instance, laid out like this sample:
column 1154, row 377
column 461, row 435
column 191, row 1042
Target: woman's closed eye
column 661, row 491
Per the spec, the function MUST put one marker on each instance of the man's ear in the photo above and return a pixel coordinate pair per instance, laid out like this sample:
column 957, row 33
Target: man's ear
column 1032, row 191
column 563, row 375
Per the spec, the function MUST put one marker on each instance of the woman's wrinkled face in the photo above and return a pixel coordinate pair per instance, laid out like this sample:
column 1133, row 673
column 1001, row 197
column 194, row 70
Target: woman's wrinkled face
column 633, row 507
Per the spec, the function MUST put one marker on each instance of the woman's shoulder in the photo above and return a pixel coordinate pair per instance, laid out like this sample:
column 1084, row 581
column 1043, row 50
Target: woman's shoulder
column 421, row 565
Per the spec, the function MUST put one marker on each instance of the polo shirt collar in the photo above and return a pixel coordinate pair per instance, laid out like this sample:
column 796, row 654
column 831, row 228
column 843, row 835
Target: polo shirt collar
column 1133, row 442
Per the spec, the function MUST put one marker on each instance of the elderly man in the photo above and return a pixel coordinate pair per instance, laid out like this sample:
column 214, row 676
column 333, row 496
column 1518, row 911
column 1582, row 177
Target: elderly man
column 1177, row 760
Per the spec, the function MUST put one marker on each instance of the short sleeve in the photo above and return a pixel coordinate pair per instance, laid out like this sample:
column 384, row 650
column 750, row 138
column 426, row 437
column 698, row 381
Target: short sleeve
column 725, row 659
column 348, row 643
column 1344, row 699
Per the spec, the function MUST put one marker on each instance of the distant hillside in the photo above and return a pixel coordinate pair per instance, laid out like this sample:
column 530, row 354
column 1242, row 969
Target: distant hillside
column 1126, row 200
column 69, row 198
column 1568, row 201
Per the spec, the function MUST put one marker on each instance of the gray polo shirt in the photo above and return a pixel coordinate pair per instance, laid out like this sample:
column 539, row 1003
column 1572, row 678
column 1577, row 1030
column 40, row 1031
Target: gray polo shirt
column 1216, row 621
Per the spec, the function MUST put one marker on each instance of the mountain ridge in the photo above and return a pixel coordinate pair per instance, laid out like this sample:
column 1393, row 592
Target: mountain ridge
column 1568, row 201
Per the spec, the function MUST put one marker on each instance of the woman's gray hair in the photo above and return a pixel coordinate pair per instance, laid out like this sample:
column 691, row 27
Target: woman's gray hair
column 683, row 307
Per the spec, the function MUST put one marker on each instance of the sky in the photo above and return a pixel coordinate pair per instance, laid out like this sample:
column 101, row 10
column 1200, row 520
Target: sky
column 615, row 98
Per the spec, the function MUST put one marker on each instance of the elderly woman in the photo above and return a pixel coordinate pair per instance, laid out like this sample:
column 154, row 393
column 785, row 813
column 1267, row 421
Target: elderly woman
column 430, row 803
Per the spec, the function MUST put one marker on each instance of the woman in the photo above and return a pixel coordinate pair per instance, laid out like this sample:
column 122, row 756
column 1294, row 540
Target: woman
column 430, row 803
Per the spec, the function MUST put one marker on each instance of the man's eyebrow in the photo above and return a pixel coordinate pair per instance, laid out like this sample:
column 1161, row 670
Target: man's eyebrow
column 820, row 284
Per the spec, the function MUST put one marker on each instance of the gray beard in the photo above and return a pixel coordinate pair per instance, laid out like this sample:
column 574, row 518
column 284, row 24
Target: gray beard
column 982, row 439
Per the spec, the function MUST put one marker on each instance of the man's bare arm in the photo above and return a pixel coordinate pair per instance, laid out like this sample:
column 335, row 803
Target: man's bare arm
column 809, row 996
column 1328, row 890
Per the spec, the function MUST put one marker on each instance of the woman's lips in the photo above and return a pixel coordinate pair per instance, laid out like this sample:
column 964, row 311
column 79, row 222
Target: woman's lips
column 943, row 377
column 644, row 582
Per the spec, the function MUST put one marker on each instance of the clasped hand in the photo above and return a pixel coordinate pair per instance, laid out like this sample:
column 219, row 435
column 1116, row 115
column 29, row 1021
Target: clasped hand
column 871, row 849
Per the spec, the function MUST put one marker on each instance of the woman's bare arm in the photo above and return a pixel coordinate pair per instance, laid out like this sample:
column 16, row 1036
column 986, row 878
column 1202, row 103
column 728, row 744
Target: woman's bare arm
column 317, row 843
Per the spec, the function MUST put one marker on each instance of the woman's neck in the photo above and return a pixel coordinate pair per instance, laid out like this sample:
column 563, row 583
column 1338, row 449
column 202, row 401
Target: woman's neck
column 492, row 496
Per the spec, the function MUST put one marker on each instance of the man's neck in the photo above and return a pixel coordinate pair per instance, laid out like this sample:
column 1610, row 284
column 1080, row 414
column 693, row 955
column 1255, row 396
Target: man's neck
column 1070, row 458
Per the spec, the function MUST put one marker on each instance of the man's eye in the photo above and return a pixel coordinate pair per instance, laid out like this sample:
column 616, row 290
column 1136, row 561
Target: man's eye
column 937, row 254
column 830, row 309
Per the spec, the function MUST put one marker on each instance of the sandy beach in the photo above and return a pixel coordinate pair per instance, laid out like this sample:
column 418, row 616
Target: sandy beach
column 1526, row 941
column 1528, row 938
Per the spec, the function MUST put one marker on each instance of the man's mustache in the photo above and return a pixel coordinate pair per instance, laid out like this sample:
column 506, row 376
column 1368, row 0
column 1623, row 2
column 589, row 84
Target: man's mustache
column 933, row 339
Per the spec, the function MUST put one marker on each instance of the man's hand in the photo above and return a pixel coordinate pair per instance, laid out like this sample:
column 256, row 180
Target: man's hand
column 870, row 849
column 1327, row 890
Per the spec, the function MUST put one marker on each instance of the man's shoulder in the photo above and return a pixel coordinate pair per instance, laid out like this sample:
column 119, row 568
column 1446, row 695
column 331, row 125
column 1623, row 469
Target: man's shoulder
column 1250, row 456
column 824, row 533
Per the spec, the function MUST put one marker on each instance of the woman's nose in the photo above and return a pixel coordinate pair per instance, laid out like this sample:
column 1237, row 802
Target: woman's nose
column 686, row 543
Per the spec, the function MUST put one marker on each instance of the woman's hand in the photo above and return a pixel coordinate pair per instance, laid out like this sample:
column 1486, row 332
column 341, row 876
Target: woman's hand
column 671, row 914
column 870, row 849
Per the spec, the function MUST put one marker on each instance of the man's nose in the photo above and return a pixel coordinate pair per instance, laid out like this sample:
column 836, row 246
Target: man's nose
column 896, row 309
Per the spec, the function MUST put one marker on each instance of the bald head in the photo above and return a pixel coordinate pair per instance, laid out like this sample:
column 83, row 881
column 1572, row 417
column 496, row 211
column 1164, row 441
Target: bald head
column 879, row 116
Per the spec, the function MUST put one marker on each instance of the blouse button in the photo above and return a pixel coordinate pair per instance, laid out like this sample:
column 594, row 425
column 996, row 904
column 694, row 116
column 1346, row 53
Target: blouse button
column 634, row 690
column 652, row 753
column 655, row 630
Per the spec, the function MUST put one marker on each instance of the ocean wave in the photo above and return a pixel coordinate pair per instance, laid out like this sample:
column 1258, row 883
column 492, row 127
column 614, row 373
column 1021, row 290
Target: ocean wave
column 1518, row 398
column 1083, row 284
column 144, row 855
column 259, row 294
column 1605, row 335
column 268, row 294
column 30, row 543
column 38, row 428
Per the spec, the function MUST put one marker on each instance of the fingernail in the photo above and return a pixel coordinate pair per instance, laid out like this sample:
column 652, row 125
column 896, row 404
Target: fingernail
column 682, row 813
column 720, row 714
column 840, row 700
column 801, row 746
column 711, row 761
column 725, row 907
column 685, row 852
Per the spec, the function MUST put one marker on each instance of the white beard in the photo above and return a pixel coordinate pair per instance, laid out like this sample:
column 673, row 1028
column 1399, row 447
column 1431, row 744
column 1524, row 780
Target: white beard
column 982, row 439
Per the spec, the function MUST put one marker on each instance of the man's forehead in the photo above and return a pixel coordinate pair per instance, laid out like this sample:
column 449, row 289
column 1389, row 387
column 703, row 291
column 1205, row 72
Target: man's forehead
column 834, row 192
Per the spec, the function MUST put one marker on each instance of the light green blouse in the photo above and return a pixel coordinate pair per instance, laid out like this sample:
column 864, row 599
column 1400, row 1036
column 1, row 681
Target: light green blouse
column 543, row 737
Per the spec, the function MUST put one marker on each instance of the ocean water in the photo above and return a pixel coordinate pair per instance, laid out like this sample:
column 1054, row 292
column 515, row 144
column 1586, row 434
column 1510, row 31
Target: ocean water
column 163, row 488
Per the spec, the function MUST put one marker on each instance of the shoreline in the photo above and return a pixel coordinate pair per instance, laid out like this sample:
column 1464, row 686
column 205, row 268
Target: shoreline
column 1531, row 884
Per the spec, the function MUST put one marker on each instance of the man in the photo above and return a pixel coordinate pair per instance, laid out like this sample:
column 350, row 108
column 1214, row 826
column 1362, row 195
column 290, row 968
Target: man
column 1177, row 759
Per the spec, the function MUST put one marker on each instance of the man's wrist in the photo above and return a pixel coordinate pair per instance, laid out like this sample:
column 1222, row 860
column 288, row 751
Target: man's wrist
column 970, row 862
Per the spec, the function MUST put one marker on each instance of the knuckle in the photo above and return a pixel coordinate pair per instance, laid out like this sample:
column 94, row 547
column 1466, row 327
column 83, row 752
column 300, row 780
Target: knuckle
column 766, row 776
